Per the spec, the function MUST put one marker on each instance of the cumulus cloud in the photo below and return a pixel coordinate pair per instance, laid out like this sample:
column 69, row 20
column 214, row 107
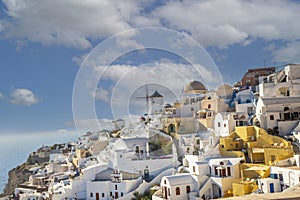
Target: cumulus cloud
column 289, row 53
column 222, row 23
column 23, row 96
column 101, row 94
column 75, row 23
column 84, row 125
column 70, row 22
column 1, row 95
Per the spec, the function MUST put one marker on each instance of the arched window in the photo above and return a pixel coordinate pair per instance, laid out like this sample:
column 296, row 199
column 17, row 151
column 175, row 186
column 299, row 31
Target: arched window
column 188, row 189
column 286, row 109
column 177, row 191
column 171, row 128
column 209, row 106
column 188, row 150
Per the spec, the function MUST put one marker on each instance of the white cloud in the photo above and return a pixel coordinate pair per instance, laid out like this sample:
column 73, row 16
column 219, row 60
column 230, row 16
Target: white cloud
column 75, row 23
column 223, row 23
column 70, row 22
column 23, row 96
column 290, row 53
column 85, row 125
column 1, row 95
column 101, row 94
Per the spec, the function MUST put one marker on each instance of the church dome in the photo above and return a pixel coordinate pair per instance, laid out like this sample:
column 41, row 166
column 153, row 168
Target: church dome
column 195, row 87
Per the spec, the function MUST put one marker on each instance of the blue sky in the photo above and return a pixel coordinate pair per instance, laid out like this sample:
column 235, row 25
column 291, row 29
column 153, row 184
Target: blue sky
column 43, row 44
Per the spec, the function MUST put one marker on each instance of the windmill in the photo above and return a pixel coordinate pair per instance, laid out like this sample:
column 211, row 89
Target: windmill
column 147, row 98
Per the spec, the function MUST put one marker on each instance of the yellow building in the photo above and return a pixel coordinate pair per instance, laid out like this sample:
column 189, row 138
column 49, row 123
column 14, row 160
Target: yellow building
column 241, row 188
column 256, row 145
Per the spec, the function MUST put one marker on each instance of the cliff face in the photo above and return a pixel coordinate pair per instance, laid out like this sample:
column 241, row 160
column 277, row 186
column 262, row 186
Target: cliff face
column 17, row 176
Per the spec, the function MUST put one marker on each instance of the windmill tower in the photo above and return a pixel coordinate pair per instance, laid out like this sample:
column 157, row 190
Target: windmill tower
column 147, row 98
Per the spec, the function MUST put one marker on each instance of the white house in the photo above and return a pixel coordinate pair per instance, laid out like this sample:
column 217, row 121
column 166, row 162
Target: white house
column 200, row 179
column 287, row 176
column 281, row 84
column 269, row 185
column 282, row 113
column 112, row 184
column 177, row 186
column 225, row 123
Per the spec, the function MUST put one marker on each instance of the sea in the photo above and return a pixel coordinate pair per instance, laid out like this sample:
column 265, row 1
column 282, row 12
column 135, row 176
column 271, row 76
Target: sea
column 15, row 148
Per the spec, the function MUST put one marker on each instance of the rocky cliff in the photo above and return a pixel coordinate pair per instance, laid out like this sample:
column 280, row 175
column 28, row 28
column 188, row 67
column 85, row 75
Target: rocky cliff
column 18, row 175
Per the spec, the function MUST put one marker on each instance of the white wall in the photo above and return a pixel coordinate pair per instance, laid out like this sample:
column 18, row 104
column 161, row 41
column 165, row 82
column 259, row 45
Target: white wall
column 290, row 177
column 264, row 185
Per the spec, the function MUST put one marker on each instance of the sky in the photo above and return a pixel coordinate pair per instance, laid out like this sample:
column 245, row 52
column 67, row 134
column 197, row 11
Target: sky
column 46, row 46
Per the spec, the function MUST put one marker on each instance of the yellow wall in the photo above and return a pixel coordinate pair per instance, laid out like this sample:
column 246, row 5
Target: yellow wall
column 254, row 173
column 244, row 187
column 273, row 148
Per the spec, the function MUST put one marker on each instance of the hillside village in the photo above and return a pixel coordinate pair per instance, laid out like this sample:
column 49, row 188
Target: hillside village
column 230, row 142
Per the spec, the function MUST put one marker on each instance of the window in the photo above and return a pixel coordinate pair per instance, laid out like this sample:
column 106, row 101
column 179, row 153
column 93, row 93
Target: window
column 194, row 169
column 103, row 195
column 121, row 194
column 116, row 187
column 272, row 158
column 192, row 109
column 188, row 189
column 197, row 141
column 274, row 176
column 219, row 124
column 216, row 171
column 177, row 191
column 228, row 171
column 224, row 125
column 209, row 106
column 280, row 177
column 91, row 194
column 271, row 117
column 110, row 193
column 165, row 182
column 169, row 193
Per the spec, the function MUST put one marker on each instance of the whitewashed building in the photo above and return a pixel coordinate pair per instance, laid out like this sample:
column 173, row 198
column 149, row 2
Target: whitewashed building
column 112, row 184
column 269, row 185
column 225, row 123
column 280, row 112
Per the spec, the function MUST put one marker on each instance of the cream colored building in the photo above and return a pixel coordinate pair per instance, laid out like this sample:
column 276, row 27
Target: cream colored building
column 181, row 125
column 281, row 84
column 281, row 113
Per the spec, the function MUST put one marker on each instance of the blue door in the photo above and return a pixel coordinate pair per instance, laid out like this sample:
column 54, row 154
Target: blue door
column 272, row 187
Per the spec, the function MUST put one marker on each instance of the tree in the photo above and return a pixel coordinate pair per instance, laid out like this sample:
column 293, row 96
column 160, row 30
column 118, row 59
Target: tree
column 136, row 196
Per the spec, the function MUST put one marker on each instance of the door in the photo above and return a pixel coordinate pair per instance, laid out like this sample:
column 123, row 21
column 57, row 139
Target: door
column 271, row 187
column 97, row 196
column 116, row 195
column 165, row 192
